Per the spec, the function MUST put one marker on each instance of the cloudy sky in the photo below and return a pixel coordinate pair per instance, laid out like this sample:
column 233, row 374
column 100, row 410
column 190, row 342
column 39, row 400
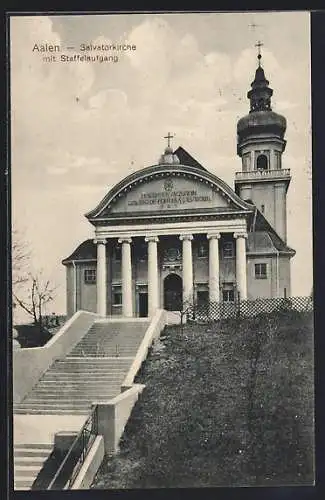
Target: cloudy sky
column 78, row 128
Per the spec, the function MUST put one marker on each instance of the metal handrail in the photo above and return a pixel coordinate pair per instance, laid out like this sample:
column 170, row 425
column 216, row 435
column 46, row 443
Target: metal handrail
column 92, row 422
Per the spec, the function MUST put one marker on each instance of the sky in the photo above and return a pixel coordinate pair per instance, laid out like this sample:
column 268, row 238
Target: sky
column 77, row 128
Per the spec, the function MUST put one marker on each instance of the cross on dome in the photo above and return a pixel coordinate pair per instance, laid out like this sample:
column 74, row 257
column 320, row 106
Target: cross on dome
column 168, row 137
column 259, row 44
column 169, row 157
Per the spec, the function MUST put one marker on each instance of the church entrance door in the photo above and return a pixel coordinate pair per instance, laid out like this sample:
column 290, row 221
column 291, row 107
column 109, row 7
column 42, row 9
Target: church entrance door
column 143, row 305
column 173, row 292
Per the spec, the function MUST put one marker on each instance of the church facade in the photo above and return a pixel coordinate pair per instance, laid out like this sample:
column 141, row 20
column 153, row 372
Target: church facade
column 173, row 233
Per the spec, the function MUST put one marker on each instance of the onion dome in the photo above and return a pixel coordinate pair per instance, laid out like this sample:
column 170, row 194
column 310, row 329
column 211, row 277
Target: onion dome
column 261, row 118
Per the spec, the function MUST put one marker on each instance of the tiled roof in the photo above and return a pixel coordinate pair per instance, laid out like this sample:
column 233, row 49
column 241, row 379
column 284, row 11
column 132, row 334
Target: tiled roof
column 261, row 225
column 260, row 242
column 186, row 159
column 86, row 250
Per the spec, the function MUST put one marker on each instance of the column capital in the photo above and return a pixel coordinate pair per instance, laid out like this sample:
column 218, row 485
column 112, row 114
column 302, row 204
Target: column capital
column 211, row 236
column 125, row 239
column 100, row 241
column 184, row 237
column 153, row 239
column 240, row 235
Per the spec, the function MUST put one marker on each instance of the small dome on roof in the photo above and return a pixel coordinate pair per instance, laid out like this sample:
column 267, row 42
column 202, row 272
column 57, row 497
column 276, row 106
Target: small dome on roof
column 169, row 158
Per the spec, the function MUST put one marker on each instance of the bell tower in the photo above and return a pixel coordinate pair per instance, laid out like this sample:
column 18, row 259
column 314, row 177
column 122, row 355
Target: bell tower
column 260, row 145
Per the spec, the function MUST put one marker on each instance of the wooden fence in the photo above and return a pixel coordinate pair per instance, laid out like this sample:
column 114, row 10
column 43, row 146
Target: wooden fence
column 211, row 311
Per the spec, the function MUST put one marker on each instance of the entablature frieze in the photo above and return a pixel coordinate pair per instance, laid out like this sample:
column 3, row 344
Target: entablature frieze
column 176, row 229
column 151, row 218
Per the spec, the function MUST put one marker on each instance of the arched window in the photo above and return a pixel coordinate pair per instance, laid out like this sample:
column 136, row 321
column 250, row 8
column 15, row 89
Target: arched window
column 261, row 163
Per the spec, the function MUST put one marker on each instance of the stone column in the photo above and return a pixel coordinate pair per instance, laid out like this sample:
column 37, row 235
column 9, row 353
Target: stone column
column 101, row 276
column 153, row 302
column 127, row 303
column 214, row 288
column 241, row 264
column 187, row 268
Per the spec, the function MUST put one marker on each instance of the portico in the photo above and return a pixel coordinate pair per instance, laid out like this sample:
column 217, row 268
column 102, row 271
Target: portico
column 159, row 267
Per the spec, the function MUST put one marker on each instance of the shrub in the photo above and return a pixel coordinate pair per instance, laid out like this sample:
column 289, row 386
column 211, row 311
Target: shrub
column 227, row 403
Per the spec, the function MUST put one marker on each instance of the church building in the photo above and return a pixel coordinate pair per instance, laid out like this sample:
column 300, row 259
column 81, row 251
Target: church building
column 173, row 233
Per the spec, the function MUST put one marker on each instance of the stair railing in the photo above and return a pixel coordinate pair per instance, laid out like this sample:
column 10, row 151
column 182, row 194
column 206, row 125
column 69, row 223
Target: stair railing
column 76, row 455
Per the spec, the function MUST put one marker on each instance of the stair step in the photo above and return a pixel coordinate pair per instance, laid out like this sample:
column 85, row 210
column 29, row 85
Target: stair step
column 74, row 377
column 91, row 360
column 64, row 401
column 73, row 383
column 97, row 373
column 89, row 368
column 104, row 353
column 33, row 446
column 24, row 483
column 92, row 366
column 26, row 470
column 117, row 344
column 31, row 453
column 85, row 370
column 75, row 394
column 53, row 406
column 57, row 411
column 75, row 390
column 64, row 376
column 27, row 460
column 112, row 343
column 50, row 388
column 63, row 369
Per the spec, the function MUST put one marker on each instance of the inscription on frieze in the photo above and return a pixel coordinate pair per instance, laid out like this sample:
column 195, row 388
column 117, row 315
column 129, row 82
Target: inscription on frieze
column 168, row 194
column 169, row 198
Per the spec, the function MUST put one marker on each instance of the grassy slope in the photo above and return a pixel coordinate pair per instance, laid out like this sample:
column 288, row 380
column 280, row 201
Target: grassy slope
column 194, row 425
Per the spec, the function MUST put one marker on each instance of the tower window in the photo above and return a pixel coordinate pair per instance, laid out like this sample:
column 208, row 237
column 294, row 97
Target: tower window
column 277, row 160
column 261, row 163
column 246, row 160
column 262, row 209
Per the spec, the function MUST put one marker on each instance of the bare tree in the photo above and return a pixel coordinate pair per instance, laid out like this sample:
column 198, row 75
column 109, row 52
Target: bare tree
column 20, row 260
column 40, row 293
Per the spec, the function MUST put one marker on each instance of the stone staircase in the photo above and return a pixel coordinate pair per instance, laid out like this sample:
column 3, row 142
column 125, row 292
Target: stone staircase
column 28, row 461
column 93, row 370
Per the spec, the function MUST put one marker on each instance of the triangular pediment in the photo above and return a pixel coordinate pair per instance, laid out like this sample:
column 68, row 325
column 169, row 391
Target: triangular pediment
column 166, row 190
